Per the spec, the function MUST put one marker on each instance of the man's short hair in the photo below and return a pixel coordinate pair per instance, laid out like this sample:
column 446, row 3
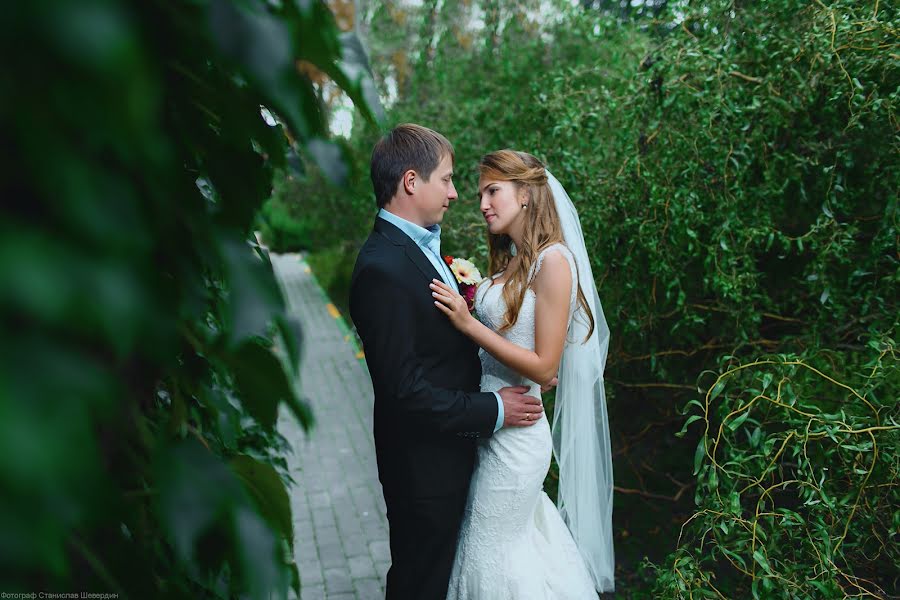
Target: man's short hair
column 407, row 146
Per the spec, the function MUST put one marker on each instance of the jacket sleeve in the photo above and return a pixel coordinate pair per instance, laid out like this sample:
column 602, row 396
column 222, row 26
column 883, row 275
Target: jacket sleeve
column 385, row 321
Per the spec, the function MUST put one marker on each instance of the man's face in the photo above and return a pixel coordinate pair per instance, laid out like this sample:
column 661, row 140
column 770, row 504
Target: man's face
column 434, row 196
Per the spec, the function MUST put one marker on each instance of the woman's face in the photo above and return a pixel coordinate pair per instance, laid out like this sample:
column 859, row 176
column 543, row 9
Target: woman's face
column 501, row 205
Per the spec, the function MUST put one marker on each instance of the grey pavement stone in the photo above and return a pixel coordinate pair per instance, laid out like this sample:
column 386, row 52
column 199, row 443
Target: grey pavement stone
column 340, row 529
column 356, row 545
column 327, row 536
column 343, row 507
column 303, row 529
column 381, row 568
column 310, row 573
column 368, row 589
column 319, row 500
column 350, row 531
column 312, row 592
column 361, row 567
column 337, row 581
column 375, row 530
column 380, row 550
column 317, row 484
column 349, row 521
column 305, row 552
column 333, row 556
column 299, row 503
column 323, row 518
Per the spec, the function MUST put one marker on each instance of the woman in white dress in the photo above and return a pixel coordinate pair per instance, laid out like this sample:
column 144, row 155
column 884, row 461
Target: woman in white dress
column 538, row 315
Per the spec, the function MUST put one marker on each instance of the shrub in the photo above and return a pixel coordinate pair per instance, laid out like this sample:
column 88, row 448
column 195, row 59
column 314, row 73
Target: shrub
column 735, row 168
column 139, row 390
column 797, row 491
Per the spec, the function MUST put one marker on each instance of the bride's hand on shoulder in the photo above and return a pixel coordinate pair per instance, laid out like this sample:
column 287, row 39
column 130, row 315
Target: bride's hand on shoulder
column 452, row 304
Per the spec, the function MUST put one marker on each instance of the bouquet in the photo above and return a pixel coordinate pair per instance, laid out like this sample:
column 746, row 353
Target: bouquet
column 467, row 276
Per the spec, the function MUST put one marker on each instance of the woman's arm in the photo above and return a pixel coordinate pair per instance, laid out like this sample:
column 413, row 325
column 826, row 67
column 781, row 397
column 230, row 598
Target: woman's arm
column 552, row 288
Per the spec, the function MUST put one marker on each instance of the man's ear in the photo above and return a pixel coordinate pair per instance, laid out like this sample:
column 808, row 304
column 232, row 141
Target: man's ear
column 409, row 181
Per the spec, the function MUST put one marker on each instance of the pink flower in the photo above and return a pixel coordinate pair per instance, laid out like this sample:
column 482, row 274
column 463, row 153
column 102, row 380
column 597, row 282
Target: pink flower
column 468, row 292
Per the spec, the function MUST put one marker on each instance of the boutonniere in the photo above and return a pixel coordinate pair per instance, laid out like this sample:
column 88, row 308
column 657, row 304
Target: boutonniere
column 467, row 276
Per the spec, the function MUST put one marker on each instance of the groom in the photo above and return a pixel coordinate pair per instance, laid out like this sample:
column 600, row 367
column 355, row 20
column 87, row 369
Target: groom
column 426, row 375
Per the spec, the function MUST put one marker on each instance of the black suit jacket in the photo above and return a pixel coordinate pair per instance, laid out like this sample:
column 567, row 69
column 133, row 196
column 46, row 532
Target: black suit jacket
column 425, row 373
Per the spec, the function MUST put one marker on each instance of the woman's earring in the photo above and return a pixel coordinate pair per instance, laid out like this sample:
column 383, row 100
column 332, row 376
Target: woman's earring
column 524, row 206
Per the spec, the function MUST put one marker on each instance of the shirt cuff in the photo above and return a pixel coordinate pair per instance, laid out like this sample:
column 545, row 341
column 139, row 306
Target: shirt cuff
column 499, row 413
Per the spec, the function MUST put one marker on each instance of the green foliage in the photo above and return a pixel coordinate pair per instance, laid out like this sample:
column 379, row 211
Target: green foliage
column 333, row 268
column 283, row 223
column 735, row 167
column 797, row 489
column 308, row 212
column 138, row 385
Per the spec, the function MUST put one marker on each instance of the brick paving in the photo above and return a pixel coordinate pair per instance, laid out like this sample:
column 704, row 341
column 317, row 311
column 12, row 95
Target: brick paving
column 340, row 529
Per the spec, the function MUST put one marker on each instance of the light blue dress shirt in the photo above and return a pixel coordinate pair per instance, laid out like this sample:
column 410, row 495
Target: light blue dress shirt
column 429, row 240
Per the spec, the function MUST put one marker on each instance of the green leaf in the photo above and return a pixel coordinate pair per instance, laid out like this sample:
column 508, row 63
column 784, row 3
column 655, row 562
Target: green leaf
column 262, row 46
column 196, row 491
column 241, row 178
column 355, row 64
column 735, row 503
column 717, row 389
column 262, row 565
column 329, row 157
column 699, row 455
column 690, row 403
column 255, row 299
column 292, row 337
column 268, row 490
column 713, row 480
column 178, row 416
column 756, row 437
column 738, row 558
column 761, row 559
column 690, row 420
column 739, row 420
column 260, row 381
column 301, row 410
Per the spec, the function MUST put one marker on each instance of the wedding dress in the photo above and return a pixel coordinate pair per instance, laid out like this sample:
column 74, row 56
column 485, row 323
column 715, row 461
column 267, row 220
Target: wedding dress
column 513, row 543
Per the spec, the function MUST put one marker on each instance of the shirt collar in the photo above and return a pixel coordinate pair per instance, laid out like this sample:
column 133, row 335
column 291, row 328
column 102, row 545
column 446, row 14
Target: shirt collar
column 426, row 237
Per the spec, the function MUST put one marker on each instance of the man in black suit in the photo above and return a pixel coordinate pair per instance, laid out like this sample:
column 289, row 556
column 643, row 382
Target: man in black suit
column 426, row 375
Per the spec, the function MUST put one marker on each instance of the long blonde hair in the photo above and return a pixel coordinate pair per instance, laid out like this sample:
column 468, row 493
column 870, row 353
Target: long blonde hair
column 541, row 228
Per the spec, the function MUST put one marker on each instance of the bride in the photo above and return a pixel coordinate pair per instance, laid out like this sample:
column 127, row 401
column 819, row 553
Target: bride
column 539, row 314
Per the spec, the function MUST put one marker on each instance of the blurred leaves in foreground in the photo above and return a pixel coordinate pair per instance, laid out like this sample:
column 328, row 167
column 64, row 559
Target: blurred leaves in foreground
column 139, row 388
column 736, row 170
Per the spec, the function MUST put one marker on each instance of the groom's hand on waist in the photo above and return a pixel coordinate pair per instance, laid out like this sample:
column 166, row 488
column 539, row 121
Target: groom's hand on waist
column 520, row 410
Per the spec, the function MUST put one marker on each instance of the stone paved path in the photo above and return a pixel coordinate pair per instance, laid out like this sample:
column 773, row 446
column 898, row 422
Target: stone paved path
column 340, row 528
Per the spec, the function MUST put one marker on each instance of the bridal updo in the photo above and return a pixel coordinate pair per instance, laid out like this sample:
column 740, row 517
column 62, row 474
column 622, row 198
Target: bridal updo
column 541, row 227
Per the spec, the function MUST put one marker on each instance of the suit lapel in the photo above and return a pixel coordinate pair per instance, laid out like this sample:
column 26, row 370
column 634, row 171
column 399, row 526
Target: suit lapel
column 412, row 250
column 415, row 254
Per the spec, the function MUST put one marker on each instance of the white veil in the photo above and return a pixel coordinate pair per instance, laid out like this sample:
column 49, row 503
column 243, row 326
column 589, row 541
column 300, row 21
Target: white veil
column 580, row 428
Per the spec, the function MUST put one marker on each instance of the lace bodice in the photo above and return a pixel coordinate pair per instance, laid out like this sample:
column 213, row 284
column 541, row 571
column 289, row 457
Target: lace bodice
column 513, row 544
column 491, row 309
